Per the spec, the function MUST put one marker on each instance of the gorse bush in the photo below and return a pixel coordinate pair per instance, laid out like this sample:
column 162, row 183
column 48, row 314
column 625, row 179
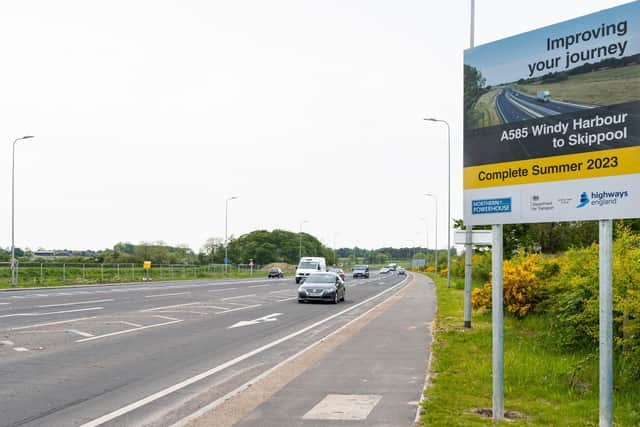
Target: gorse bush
column 521, row 286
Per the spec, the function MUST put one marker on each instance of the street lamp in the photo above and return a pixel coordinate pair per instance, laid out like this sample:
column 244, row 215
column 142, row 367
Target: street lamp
column 13, row 246
column 226, row 224
column 426, row 237
column 448, row 197
column 302, row 222
column 435, row 198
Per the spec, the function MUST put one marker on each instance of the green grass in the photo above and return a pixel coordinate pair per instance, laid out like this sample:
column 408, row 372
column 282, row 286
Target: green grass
column 484, row 111
column 548, row 386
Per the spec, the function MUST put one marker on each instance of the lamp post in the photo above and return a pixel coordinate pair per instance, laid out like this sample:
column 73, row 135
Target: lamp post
column 426, row 238
column 448, row 197
column 435, row 198
column 226, row 225
column 13, row 246
column 301, row 222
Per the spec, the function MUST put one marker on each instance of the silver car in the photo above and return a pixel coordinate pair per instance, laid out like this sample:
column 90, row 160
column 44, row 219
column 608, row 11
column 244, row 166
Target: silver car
column 322, row 286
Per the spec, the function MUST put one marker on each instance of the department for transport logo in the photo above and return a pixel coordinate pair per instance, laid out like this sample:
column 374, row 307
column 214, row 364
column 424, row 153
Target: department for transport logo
column 584, row 200
column 491, row 206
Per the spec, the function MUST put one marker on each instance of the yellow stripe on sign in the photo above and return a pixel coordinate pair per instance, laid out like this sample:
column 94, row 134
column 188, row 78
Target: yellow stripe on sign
column 594, row 164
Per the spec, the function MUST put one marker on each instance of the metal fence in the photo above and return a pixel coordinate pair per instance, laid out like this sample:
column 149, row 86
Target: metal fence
column 51, row 273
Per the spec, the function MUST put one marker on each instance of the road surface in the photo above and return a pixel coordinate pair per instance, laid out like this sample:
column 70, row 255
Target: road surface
column 152, row 354
column 514, row 106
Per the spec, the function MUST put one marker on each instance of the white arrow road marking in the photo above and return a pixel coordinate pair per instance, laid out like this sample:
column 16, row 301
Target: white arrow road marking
column 268, row 318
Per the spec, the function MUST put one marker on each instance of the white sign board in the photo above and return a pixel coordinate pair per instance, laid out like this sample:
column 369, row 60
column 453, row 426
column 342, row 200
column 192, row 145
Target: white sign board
column 478, row 237
column 542, row 141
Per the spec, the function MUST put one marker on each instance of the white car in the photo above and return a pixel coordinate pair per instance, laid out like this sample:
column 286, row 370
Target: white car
column 384, row 270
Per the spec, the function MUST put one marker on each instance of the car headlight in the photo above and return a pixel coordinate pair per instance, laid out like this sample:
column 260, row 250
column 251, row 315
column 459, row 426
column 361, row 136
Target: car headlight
column 331, row 290
column 301, row 290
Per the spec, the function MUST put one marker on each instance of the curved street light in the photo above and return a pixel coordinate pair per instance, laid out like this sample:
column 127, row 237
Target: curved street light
column 13, row 246
column 431, row 119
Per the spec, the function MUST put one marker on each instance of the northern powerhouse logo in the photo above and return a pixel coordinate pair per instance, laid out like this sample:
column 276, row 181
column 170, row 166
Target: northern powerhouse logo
column 601, row 198
column 491, row 206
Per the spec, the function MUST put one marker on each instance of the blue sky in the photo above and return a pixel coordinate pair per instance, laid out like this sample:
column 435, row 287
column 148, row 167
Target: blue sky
column 507, row 60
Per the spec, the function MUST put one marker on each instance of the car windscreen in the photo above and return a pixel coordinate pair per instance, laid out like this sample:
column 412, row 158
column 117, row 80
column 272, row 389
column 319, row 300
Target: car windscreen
column 307, row 265
column 360, row 267
column 273, row 270
column 321, row 278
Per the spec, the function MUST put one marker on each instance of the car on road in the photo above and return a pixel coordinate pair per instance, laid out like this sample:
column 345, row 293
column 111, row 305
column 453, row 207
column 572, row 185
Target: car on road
column 338, row 271
column 275, row 272
column 309, row 265
column 384, row 270
column 402, row 271
column 322, row 286
column 361, row 271
column 543, row 96
column 392, row 267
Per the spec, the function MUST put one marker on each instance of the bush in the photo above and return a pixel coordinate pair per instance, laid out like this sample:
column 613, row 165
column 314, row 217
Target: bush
column 522, row 290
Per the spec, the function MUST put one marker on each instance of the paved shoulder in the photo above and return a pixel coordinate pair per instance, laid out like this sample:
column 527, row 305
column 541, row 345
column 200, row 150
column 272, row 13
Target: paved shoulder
column 373, row 379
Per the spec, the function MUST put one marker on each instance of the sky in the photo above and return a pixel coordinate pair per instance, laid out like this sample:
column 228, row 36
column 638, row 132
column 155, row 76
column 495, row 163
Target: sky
column 507, row 60
column 148, row 115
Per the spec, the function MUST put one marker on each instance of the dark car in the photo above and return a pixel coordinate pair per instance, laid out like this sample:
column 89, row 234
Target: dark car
column 361, row 271
column 338, row 271
column 275, row 272
column 322, row 286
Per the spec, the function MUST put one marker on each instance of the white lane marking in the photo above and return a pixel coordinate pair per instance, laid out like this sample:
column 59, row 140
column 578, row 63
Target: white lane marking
column 162, row 393
column 268, row 318
column 170, row 306
column 283, row 290
column 51, row 312
column 257, row 286
column 213, row 306
column 167, row 295
column 20, row 349
column 17, row 297
column 238, row 309
column 211, row 406
column 7, row 342
column 135, row 325
column 168, row 318
column 237, row 296
column 221, row 290
column 126, row 331
column 42, row 295
column 82, row 334
column 236, row 303
column 74, row 303
column 286, row 299
column 52, row 323
column 5, row 303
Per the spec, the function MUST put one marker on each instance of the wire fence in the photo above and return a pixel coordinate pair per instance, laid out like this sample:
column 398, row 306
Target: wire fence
column 61, row 273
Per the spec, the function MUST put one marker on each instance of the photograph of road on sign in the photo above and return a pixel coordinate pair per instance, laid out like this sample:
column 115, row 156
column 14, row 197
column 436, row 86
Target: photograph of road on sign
column 589, row 62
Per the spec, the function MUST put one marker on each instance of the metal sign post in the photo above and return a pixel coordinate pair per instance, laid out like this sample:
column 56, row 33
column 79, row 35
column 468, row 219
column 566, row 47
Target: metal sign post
column 497, row 324
column 606, row 324
column 468, row 251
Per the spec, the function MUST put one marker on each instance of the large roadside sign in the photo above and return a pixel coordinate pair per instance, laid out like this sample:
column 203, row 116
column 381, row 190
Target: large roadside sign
column 552, row 122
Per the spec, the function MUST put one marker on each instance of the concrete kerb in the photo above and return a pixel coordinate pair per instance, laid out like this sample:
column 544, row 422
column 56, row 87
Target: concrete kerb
column 427, row 380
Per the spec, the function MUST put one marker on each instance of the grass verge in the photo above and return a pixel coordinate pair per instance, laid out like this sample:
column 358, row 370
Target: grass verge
column 484, row 111
column 544, row 384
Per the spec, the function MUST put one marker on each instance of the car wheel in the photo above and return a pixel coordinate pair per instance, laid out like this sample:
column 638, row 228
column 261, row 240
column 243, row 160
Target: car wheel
column 335, row 298
column 297, row 280
column 300, row 301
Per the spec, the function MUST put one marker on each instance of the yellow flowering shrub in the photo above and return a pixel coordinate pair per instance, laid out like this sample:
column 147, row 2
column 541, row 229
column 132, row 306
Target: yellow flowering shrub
column 521, row 287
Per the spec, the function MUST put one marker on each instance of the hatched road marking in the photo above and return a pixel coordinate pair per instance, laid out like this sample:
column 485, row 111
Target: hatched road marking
column 74, row 303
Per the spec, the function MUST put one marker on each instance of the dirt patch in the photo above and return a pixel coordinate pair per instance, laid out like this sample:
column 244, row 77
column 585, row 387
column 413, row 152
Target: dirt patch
column 508, row 415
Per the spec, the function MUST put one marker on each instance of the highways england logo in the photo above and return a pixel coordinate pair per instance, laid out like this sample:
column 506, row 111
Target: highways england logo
column 584, row 200
column 601, row 198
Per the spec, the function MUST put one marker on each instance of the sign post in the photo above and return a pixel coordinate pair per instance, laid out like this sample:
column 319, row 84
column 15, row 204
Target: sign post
column 146, row 266
column 544, row 144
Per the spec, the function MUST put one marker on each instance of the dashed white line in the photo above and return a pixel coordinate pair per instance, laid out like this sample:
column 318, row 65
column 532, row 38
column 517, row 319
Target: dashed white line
column 126, row 331
column 51, row 312
column 170, row 306
column 238, row 296
column 74, row 303
column 221, row 290
column 82, row 334
column 135, row 325
column 257, row 286
column 52, row 323
column 20, row 349
column 168, row 318
column 166, row 295
column 238, row 309
column 5, row 303
column 7, row 342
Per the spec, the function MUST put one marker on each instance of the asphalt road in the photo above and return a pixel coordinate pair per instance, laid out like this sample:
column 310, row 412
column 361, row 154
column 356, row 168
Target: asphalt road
column 152, row 354
column 514, row 106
